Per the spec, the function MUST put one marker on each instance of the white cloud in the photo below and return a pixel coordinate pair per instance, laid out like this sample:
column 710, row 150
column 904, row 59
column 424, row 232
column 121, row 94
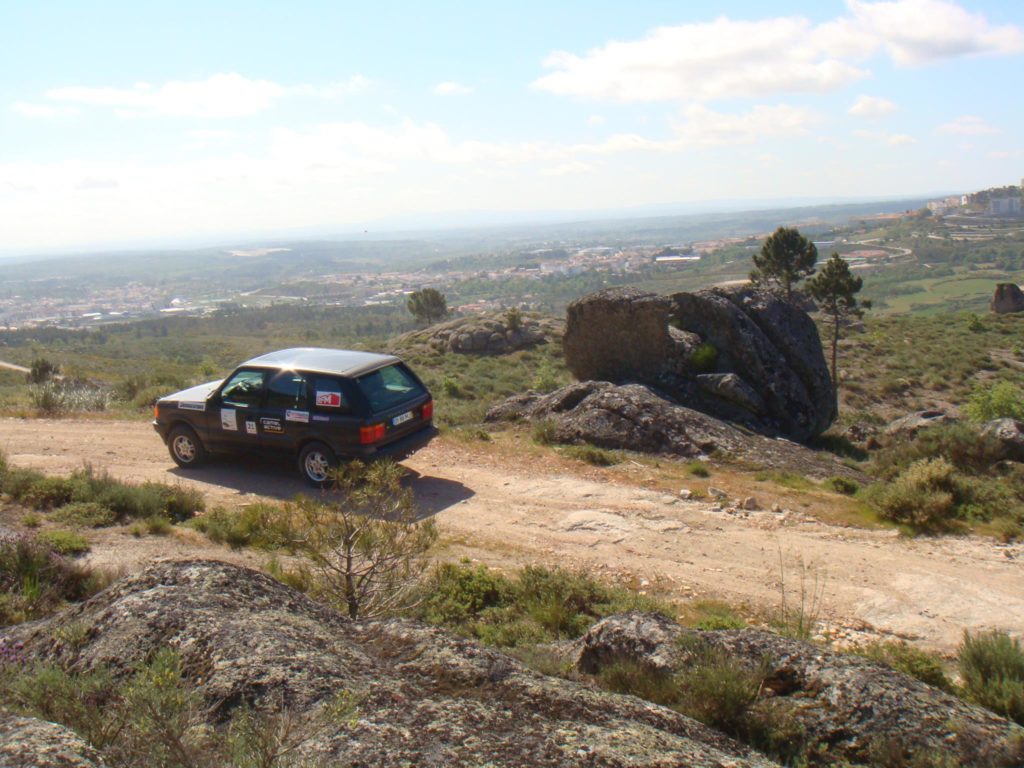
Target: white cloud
column 219, row 96
column 568, row 169
column 596, row 120
column 703, row 126
column 871, row 107
column 452, row 88
column 698, row 62
column 892, row 139
column 967, row 125
column 90, row 183
column 224, row 95
column 212, row 134
column 920, row 31
column 728, row 58
column 42, row 110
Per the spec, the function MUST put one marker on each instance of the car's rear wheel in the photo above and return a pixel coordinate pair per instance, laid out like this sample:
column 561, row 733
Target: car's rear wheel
column 316, row 463
column 186, row 448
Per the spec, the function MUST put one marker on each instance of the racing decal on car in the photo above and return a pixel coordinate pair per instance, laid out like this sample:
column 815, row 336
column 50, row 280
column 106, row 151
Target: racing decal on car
column 250, row 427
column 187, row 405
column 328, row 399
column 229, row 419
column 318, row 417
column 301, row 416
column 273, row 426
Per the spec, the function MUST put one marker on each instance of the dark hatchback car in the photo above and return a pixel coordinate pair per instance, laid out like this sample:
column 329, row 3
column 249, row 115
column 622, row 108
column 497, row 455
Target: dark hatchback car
column 316, row 405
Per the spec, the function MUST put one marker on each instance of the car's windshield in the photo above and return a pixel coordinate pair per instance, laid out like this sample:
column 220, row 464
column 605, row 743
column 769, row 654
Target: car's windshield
column 389, row 387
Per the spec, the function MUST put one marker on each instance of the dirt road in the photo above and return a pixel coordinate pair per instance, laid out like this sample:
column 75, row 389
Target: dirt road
column 529, row 510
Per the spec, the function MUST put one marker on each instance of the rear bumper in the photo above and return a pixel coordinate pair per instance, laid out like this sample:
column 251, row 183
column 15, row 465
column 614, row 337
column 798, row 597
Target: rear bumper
column 404, row 448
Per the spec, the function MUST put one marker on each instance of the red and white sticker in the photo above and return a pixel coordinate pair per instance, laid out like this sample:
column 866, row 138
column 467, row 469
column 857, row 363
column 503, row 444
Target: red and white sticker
column 328, row 399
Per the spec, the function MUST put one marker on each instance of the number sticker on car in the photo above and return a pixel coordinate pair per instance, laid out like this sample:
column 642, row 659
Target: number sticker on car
column 402, row 418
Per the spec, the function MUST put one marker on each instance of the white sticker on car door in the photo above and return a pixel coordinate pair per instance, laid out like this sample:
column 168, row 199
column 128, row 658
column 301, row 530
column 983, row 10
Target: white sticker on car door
column 229, row 419
column 250, row 427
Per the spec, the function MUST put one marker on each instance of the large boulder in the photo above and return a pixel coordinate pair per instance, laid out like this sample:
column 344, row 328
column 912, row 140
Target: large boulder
column 1007, row 298
column 618, row 334
column 907, row 427
column 630, row 416
column 425, row 697
column 638, row 417
column 26, row 742
column 736, row 353
column 1009, row 435
column 847, row 704
column 482, row 335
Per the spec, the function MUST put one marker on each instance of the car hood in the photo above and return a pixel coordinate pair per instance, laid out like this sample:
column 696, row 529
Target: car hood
column 196, row 394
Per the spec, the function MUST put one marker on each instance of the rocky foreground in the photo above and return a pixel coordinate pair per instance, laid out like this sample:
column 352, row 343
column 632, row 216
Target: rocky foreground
column 429, row 698
column 425, row 697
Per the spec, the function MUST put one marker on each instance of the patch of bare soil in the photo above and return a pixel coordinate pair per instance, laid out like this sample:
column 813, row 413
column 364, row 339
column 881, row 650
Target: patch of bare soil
column 507, row 510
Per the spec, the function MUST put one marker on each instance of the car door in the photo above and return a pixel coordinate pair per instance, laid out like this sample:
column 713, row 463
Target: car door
column 284, row 417
column 338, row 410
column 235, row 411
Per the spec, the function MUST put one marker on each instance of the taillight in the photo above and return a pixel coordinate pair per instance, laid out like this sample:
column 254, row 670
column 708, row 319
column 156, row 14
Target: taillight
column 371, row 434
column 427, row 413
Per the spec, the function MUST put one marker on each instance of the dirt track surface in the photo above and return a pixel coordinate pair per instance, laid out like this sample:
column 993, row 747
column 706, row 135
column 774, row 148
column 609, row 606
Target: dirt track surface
column 515, row 512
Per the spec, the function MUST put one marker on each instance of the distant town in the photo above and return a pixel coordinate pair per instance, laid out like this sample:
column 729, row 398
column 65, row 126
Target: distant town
column 974, row 216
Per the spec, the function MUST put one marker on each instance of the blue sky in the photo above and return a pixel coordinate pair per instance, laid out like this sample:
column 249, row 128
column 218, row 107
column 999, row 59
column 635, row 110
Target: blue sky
column 137, row 122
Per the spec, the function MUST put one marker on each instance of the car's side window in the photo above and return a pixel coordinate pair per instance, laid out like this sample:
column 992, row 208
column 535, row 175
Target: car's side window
column 243, row 389
column 329, row 396
column 287, row 390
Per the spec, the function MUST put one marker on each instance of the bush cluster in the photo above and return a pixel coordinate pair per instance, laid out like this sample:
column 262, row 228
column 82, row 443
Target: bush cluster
column 536, row 605
column 35, row 579
column 90, row 499
column 155, row 717
column 992, row 668
column 53, row 397
column 944, row 478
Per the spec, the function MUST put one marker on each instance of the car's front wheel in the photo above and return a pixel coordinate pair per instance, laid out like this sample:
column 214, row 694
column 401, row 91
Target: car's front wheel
column 185, row 447
column 316, row 463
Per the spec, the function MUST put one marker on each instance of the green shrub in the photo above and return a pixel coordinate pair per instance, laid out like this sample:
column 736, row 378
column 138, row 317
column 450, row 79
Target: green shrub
column 157, row 525
column 64, row 542
column 457, row 593
column 842, row 485
column 719, row 689
column 537, row 605
column 48, row 492
column 704, row 358
column 56, row 397
column 987, row 490
column 905, row 658
column 992, row 667
column 87, row 514
column 513, row 319
column 636, row 679
column 925, row 497
column 1000, row 400
column 17, row 483
column 545, row 380
column 264, row 526
column 155, row 717
column 545, row 432
column 41, row 370
column 35, row 581
column 712, row 614
column 698, row 469
column 591, row 454
column 84, row 701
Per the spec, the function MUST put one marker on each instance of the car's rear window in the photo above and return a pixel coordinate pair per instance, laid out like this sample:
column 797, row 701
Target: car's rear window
column 389, row 387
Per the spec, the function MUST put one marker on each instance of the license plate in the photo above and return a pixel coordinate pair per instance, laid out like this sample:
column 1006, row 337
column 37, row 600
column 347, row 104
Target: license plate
column 407, row 416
